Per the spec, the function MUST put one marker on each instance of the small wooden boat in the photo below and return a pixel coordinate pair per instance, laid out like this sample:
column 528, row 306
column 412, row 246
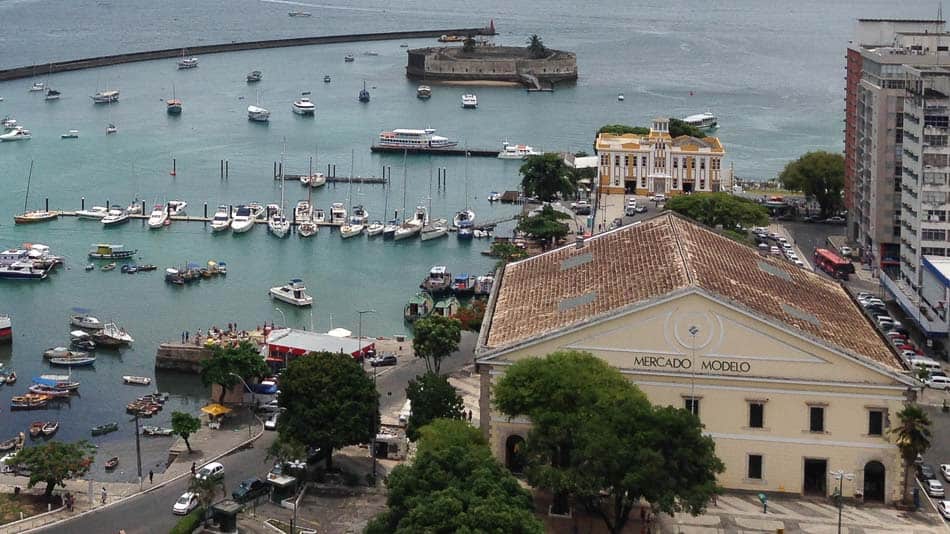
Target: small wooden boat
column 146, row 267
column 73, row 361
column 104, row 429
column 40, row 389
column 11, row 378
column 57, row 382
column 36, row 428
column 137, row 380
column 90, row 267
column 156, row 431
column 9, row 444
column 50, row 428
column 63, row 352
column 108, row 266
column 29, row 401
column 112, row 463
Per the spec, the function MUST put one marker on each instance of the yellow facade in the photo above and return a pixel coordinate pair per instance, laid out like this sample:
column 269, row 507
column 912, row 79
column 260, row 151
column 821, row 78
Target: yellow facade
column 733, row 361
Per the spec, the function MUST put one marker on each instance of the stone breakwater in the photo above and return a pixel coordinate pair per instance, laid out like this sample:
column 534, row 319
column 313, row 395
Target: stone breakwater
column 493, row 64
column 101, row 61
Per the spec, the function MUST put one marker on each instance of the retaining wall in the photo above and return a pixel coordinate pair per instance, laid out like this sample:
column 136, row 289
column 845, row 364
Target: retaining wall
column 181, row 357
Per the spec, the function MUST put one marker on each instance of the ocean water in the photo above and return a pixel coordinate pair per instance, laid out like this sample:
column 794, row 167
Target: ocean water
column 774, row 73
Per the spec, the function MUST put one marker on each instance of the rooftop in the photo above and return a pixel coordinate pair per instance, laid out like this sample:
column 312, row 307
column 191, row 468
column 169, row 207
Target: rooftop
column 939, row 265
column 305, row 342
column 641, row 262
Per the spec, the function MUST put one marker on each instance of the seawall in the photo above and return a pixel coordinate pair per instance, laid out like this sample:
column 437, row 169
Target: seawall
column 102, row 61
column 181, row 357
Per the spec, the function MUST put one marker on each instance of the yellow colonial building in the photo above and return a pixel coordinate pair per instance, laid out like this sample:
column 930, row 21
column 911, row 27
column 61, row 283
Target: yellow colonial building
column 657, row 163
column 785, row 372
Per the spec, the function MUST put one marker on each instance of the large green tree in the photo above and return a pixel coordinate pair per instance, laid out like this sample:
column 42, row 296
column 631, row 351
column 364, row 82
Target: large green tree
column 820, row 175
column 242, row 360
column 714, row 209
column 432, row 397
column 912, row 437
column 454, row 485
column 620, row 129
column 678, row 128
column 434, row 339
column 184, row 425
column 55, row 462
column 545, row 226
column 597, row 438
column 329, row 403
column 547, row 177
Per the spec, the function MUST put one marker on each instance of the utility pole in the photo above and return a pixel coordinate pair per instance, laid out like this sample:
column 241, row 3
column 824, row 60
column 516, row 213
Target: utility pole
column 840, row 476
column 138, row 450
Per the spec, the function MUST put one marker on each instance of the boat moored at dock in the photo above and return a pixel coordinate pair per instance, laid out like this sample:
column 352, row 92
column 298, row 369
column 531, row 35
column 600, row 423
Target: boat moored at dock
column 6, row 329
column 221, row 220
column 115, row 217
column 105, row 251
column 420, row 305
column 438, row 281
column 414, row 139
column 510, row 151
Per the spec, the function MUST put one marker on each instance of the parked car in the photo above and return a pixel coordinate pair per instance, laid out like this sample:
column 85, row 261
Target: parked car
column 938, row 382
column 926, row 472
column 186, row 503
column 271, row 423
column 270, row 407
column 775, row 251
column 214, row 470
column 641, row 209
column 934, row 488
column 835, row 220
column 659, row 197
column 384, row 360
column 944, row 508
column 250, row 489
column 630, row 211
column 945, row 471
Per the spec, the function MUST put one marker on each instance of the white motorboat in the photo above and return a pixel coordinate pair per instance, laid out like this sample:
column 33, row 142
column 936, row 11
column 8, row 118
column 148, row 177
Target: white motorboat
column 17, row 133
column 410, row 139
column 95, row 212
column 620, row 97
column 258, row 211
column 158, row 217
column 221, row 220
column 494, row 196
column 38, row 86
column 375, row 228
column 353, row 228
column 136, row 380
column 86, row 321
column 423, row 92
column 703, row 121
column 105, row 97
column 71, row 134
column 293, row 292
column 303, row 212
column 359, row 215
column 257, row 114
column 411, row 226
column 510, row 151
column 304, row 106
column 187, row 63
column 115, row 217
column 337, row 213
column 319, row 216
column 254, row 76
column 317, row 179
column 8, row 123
column 176, row 208
column 438, row 228
column 278, row 223
column 114, row 333
column 243, row 220
column 469, row 101
column 389, row 229
column 307, row 228
column 111, row 129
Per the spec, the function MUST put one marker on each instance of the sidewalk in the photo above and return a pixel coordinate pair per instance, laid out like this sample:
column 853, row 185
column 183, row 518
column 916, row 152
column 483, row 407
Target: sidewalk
column 207, row 445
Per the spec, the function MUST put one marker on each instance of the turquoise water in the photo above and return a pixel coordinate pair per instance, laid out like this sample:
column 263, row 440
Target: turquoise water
column 774, row 75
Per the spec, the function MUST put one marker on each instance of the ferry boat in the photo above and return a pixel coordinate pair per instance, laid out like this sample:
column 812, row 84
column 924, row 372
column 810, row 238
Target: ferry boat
column 469, row 101
column 293, row 292
column 17, row 133
column 258, row 114
column 424, row 92
column 105, row 251
column 510, row 151
column 21, row 270
column 414, row 139
column 105, row 97
column 187, row 63
column 703, row 121
column 254, row 76
column 6, row 329
column 303, row 106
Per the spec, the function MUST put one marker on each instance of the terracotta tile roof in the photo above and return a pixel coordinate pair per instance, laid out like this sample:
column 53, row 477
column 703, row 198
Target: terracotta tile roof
column 637, row 263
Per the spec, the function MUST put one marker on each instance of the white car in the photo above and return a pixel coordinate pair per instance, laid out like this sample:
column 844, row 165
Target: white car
column 845, row 251
column 186, row 503
column 938, row 382
column 934, row 488
column 944, row 508
column 659, row 197
column 212, row 470
column 271, row 423
column 945, row 471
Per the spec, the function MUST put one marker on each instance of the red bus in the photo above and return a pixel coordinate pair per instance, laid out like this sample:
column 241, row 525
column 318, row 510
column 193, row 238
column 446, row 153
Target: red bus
column 833, row 264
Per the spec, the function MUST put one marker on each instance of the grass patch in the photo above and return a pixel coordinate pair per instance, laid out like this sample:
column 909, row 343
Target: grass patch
column 12, row 506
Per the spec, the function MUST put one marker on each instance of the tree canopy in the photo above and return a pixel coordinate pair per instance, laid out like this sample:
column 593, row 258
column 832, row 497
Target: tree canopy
column 330, row 403
column 536, row 47
column 55, row 462
column 545, row 226
column 184, row 425
column 547, row 177
column 594, row 433
column 714, row 209
column 243, row 360
column 507, row 252
column 470, row 316
column 819, row 175
column 435, row 338
column 620, row 129
column 677, row 128
column 912, row 437
column 432, row 398
column 454, row 485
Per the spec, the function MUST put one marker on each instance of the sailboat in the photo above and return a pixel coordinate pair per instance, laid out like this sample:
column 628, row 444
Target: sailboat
column 437, row 228
column 464, row 220
column 354, row 226
column 51, row 94
column 35, row 215
column 364, row 94
column 313, row 179
column 306, row 226
column 257, row 113
column 278, row 224
column 392, row 225
column 173, row 105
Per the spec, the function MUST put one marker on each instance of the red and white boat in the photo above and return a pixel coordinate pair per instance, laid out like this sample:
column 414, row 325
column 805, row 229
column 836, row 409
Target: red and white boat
column 6, row 329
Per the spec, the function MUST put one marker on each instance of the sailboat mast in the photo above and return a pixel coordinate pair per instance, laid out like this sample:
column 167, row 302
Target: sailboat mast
column 349, row 192
column 282, row 150
column 404, row 181
column 429, row 209
column 466, row 176
column 29, row 178
column 310, row 189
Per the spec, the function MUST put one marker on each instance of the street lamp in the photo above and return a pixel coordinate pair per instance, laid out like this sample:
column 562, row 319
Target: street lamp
column 840, row 476
column 360, row 336
column 693, row 330
column 250, row 415
column 282, row 316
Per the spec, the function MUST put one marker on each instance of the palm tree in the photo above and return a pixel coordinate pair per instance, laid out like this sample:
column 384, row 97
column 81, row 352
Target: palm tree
column 536, row 47
column 206, row 488
column 912, row 438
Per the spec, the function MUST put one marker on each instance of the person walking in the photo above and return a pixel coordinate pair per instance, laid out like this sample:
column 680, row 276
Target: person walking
column 151, row 476
column 104, row 495
column 193, row 469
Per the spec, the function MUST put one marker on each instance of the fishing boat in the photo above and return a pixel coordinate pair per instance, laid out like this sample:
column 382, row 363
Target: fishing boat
column 29, row 401
column 57, row 381
column 156, row 431
column 254, row 76
column 364, row 94
column 71, row 134
column 413, row 225
column 63, row 352
column 50, row 428
column 423, row 92
column 243, row 220
column 108, row 267
column 18, row 133
column 510, row 151
column 176, row 208
column 221, row 220
column 337, row 213
column 146, row 267
column 469, row 101
column 73, row 362
column 293, row 292
column 81, row 340
column 414, row 139
column 304, row 106
column 375, row 228
column 463, row 284
column 447, row 307
column 115, row 217
column 105, row 251
column 105, row 97
column 438, row 281
column 136, row 380
column 113, row 334
column 419, row 306
column 95, row 213
column 36, row 429
column 104, row 429
column 52, row 392
column 6, row 329
column 703, row 121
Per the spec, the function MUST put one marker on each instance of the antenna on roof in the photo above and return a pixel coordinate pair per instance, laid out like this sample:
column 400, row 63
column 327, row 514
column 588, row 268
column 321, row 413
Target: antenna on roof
column 940, row 11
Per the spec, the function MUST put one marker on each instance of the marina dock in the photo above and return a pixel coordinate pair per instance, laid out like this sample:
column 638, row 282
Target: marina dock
column 341, row 179
column 473, row 152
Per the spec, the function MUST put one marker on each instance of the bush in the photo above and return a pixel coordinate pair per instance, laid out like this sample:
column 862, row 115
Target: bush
column 190, row 522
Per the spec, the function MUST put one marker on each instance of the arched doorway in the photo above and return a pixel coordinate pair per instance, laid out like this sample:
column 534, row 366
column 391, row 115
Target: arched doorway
column 514, row 453
column 874, row 481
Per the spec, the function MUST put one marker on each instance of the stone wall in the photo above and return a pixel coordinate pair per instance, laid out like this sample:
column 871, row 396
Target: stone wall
column 181, row 357
column 437, row 64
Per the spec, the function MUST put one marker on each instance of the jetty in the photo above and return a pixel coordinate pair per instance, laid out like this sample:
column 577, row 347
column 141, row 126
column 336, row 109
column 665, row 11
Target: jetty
column 473, row 152
column 341, row 179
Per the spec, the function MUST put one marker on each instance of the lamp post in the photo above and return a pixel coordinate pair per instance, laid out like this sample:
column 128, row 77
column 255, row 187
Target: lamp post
column 693, row 330
column 283, row 317
column 138, row 449
column 250, row 415
column 360, row 335
column 840, row 476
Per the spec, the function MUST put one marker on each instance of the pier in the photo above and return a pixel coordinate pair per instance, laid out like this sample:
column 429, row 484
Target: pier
column 474, row 152
column 341, row 179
